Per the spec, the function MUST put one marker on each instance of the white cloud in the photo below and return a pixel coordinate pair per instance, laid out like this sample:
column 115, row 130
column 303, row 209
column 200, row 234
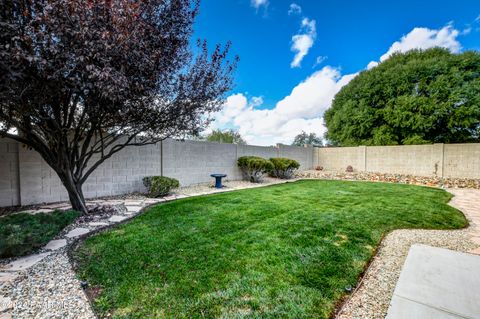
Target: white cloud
column 424, row 38
column 258, row 3
column 304, row 107
column 301, row 43
column 294, row 9
column 319, row 60
column 301, row 110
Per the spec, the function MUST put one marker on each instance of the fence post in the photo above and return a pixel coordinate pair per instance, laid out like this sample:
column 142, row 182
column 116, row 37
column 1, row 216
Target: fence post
column 363, row 155
column 440, row 153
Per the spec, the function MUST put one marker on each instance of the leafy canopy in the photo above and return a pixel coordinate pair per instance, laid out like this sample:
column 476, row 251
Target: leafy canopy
column 227, row 136
column 81, row 80
column 418, row 97
column 307, row 139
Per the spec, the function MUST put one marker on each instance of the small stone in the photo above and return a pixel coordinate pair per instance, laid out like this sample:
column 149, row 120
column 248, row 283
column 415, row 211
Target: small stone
column 117, row 218
column 25, row 262
column 5, row 304
column 56, row 244
column 77, row 232
column 133, row 209
column 98, row 224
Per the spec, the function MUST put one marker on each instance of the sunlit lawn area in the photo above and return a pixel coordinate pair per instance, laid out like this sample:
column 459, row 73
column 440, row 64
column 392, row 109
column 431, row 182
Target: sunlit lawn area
column 284, row 251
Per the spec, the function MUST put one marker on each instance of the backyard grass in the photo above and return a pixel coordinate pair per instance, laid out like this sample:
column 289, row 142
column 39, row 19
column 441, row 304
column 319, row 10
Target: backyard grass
column 283, row 251
column 22, row 233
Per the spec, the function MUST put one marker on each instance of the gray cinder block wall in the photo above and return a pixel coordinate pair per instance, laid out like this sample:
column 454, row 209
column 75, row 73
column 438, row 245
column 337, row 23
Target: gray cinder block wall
column 25, row 178
column 442, row 160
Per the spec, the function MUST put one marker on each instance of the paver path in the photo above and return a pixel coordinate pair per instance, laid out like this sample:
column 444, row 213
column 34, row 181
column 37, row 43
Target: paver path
column 468, row 201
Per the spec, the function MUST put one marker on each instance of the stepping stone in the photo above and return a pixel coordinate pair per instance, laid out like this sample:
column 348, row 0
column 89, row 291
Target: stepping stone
column 42, row 210
column 132, row 203
column 56, row 206
column 133, row 208
column 97, row 224
column 77, row 232
column 5, row 303
column 437, row 283
column 7, row 276
column 117, row 218
column 25, row 262
column 6, row 315
column 56, row 244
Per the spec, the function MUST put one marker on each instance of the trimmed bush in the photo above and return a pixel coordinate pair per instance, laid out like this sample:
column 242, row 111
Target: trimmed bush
column 254, row 167
column 159, row 186
column 284, row 167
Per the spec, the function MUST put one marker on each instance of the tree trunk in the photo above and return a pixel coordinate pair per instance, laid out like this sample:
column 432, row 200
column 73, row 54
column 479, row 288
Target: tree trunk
column 75, row 192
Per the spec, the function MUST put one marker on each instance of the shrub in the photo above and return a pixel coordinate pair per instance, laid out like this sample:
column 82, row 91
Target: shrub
column 349, row 169
column 284, row 167
column 319, row 168
column 159, row 186
column 254, row 167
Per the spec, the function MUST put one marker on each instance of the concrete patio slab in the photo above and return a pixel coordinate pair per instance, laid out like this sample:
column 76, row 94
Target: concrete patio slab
column 437, row 283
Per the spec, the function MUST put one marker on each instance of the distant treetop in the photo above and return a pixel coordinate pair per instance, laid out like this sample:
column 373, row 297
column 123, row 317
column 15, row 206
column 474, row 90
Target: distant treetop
column 227, row 136
column 418, row 97
column 307, row 139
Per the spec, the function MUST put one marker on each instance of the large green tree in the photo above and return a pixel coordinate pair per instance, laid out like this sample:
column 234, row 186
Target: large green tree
column 418, row 97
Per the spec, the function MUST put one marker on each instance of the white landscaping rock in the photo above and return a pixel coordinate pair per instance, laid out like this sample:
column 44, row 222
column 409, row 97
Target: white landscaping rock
column 5, row 303
column 134, row 209
column 117, row 218
column 56, row 244
column 25, row 262
column 77, row 232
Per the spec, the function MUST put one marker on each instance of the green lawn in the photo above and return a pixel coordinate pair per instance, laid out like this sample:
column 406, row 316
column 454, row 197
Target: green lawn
column 22, row 233
column 284, row 251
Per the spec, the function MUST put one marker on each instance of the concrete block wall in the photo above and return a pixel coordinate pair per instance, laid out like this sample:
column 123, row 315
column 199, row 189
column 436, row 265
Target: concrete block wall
column 462, row 160
column 442, row 160
column 421, row 160
column 338, row 158
column 25, row 178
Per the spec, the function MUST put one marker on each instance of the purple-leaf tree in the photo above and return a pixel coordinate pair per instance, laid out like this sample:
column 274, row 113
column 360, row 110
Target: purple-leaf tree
column 81, row 80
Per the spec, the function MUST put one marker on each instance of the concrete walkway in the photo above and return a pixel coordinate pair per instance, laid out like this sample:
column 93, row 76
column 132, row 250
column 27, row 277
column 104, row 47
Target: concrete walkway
column 437, row 283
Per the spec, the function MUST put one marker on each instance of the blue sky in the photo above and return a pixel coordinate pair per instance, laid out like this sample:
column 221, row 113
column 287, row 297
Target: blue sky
column 276, row 95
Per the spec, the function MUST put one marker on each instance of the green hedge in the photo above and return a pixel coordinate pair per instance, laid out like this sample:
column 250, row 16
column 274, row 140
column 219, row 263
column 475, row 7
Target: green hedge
column 159, row 186
column 254, row 167
column 284, row 167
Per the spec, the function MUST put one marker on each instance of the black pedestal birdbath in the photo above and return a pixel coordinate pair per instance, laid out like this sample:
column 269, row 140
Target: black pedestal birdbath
column 218, row 179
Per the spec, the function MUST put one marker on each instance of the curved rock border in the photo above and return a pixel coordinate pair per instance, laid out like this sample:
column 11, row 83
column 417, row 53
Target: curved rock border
column 371, row 298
